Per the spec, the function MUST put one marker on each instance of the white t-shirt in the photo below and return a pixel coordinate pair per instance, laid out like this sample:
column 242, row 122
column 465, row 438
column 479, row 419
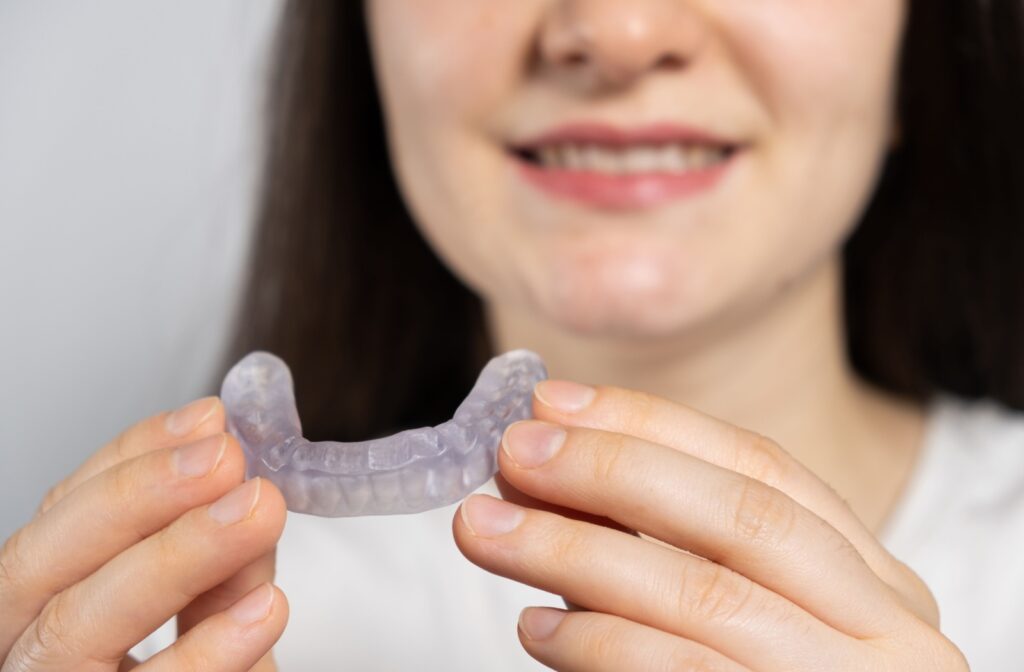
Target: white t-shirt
column 960, row 526
column 393, row 593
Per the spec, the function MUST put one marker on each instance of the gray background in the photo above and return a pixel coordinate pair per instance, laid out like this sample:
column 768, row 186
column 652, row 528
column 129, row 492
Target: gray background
column 128, row 159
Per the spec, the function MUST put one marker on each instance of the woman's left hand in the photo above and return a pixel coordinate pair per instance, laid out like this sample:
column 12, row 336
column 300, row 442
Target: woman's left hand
column 747, row 561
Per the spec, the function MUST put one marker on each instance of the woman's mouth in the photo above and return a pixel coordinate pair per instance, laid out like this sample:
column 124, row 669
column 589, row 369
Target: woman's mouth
column 608, row 168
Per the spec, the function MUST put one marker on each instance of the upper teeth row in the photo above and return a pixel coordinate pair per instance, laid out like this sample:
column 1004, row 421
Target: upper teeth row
column 639, row 159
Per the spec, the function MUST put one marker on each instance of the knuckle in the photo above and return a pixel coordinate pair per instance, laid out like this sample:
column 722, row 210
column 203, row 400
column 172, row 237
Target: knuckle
column 762, row 515
column 600, row 639
column 713, row 593
column 762, row 459
column 11, row 555
column 25, row 657
column 51, row 636
column 165, row 544
column 951, row 656
column 123, row 490
column 120, row 446
column 639, row 409
column 914, row 594
column 50, row 499
column 918, row 647
column 917, row 587
column 607, row 459
column 189, row 656
column 52, row 640
column 928, row 606
column 124, row 483
column 686, row 659
column 568, row 544
column 175, row 552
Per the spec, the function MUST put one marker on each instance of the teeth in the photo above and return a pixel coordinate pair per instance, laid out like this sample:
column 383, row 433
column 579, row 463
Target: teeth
column 671, row 158
column 703, row 159
column 674, row 159
column 549, row 156
column 599, row 159
column 573, row 157
column 642, row 160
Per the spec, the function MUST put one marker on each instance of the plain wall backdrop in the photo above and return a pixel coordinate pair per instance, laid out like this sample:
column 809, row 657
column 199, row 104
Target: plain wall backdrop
column 129, row 155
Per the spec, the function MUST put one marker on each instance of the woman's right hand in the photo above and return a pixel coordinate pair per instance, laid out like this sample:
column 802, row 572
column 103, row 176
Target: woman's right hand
column 157, row 523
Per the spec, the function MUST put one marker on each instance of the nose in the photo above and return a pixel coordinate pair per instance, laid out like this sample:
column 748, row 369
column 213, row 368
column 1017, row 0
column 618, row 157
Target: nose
column 616, row 41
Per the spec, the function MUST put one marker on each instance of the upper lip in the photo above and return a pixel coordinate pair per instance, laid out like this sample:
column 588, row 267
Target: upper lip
column 600, row 133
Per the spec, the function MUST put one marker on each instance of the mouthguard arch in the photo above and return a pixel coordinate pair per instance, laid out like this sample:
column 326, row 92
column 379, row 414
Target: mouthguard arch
column 408, row 472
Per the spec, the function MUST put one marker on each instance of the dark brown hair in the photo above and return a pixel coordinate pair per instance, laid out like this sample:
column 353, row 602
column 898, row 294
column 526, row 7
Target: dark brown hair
column 381, row 336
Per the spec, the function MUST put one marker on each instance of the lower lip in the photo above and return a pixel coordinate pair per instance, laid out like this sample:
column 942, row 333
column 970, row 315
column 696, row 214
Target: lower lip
column 623, row 192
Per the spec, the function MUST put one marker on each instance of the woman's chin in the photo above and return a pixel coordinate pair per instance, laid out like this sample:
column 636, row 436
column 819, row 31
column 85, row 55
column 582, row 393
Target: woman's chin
column 624, row 296
column 622, row 314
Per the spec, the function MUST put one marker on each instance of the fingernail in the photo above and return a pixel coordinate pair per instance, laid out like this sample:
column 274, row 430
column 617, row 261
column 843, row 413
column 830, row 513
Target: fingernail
column 488, row 516
column 564, row 395
column 237, row 504
column 540, row 622
column 190, row 416
column 531, row 443
column 255, row 606
column 199, row 458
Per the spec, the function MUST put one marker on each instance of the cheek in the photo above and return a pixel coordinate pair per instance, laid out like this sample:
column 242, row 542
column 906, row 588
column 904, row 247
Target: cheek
column 445, row 69
column 825, row 73
column 446, row 62
column 818, row 62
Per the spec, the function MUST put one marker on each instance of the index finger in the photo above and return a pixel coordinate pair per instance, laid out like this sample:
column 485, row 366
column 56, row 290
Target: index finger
column 658, row 420
column 193, row 421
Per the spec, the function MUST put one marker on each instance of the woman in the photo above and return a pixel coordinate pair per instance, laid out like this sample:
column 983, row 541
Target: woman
column 776, row 239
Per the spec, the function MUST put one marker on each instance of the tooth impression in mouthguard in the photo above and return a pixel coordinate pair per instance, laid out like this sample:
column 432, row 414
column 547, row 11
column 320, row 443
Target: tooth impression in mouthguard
column 408, row 472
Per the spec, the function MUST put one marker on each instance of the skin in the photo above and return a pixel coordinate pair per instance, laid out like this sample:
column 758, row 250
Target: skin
column 127, row 542
column 728, row 302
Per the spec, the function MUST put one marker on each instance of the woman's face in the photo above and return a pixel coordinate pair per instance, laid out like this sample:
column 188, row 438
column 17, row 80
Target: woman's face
column 636, row 233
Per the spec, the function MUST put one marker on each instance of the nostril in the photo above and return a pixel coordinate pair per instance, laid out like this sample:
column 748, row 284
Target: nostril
column 669, row 61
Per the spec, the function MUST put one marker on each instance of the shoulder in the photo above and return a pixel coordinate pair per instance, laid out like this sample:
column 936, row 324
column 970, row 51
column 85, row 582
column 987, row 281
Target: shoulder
column 983, row 427
column 984, row 441
column 963, row 527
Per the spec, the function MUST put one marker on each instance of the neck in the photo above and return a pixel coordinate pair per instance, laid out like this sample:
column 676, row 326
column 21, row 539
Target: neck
column 780, row 370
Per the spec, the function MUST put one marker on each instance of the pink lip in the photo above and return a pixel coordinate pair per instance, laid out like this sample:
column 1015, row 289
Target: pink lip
column 624, row 192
